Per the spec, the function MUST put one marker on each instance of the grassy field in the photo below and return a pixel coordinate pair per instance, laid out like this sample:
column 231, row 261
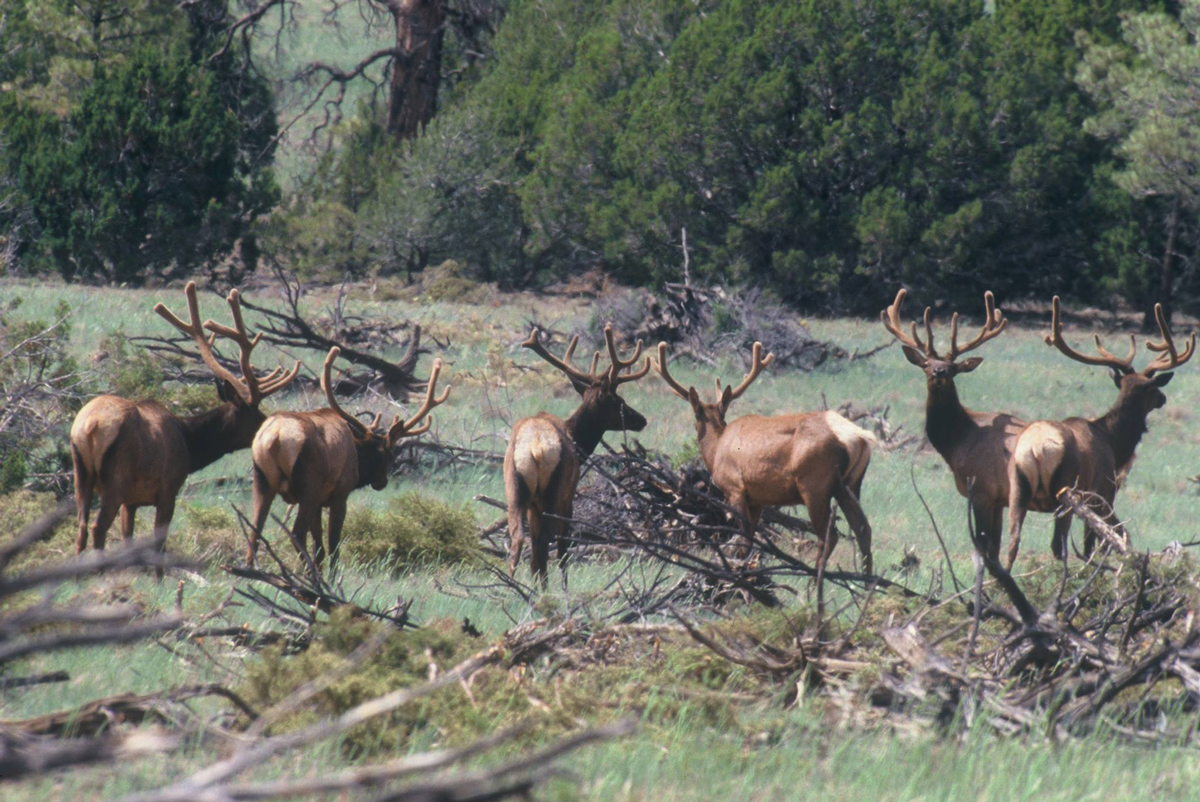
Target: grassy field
column 757, row 751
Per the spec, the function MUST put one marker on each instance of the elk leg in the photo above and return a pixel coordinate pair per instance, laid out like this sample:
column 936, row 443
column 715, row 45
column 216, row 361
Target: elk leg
column 128, row 511
column 1062, row 528
column 821, row 519
column 337, row 517
column 563, row 539
column 317, row 538
column 539, row 546
column 856, row 519
column 85, row 485
column 516, row 537
column 1019, row 494
column 989, row 518
column 163, row 513
column 517, row 495
column 104, row 519
column 300, row 530
column 264, row 494
column 741, row 543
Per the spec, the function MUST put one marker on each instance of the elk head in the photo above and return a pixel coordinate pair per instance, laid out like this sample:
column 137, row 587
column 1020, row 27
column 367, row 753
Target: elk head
column 1138, row 390
column 941, row 370
column 240, row 398
column 710, row 418
column 372, row 444
column 598, row 390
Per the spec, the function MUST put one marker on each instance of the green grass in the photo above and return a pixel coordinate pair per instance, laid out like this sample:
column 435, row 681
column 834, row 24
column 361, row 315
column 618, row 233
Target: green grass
column 762, row 754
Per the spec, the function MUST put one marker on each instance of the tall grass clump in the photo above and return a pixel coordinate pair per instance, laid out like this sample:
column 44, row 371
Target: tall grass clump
column 415, row 529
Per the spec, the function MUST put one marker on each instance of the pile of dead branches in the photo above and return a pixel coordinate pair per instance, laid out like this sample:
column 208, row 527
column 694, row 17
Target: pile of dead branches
column 127, row 725
column 1116, row 622
column 1113, row 646
column 40, row 616
column 637, row 503
column 360, row 338
column 701, row 322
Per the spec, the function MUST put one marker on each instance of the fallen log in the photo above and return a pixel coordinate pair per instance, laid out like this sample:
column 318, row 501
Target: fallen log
column 99, row 715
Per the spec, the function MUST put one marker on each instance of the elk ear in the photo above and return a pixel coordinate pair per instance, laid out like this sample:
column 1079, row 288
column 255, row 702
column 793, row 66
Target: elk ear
column 1162, row 379
column 1116, row 377
column 694, row 400
column 968, row 365
column 227, row 392
column 726, row 397
column 913, row 355
column 580, row 386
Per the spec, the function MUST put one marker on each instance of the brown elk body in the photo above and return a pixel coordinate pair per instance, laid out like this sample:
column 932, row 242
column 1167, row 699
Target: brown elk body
column 138, row 454
column 810, row 458
column 545, row 453
column 1090, row 454
column 315, row 460
column 976, row 445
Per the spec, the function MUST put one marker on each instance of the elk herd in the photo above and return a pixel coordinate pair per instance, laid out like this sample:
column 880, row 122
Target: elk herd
column 138, row 454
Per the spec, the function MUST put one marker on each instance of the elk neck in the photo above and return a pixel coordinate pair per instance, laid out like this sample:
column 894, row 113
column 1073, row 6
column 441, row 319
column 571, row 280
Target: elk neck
column 585, row 428
column 372, row 460
column 1124, row 424
column 708, row 440
column 946, row 419
column 217, row 432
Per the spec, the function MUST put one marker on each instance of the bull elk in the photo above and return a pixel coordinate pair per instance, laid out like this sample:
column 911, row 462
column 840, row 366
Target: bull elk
column 544, row 455
column 1091, row 454
column 316, row 459
column 809, row 458
column 976, row 445
column 138, row 454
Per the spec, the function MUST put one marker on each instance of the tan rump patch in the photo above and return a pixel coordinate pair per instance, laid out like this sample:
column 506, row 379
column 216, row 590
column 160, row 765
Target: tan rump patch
column 276, row 448
column 96, row 428
column 857, row 441
column 536, row 453
column 1038, row 453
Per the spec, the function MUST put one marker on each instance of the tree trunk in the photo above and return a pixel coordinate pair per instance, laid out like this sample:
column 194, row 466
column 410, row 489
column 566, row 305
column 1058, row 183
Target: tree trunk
column 1166, row 277
column 420, row 26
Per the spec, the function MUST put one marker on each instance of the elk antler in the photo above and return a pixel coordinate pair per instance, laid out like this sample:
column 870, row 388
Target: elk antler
column 617, row 364
column 358, row 427
column 534, row 343
column 400, row 429
column 1168, row 357
column 661, row 365
column 258, row 388
column 891, row 322
column 249, row 387
column 757, row 363
column 1106, row 358
column 994, row 323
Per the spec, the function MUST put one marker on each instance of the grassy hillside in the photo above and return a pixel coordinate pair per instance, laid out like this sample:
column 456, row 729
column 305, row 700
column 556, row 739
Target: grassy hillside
column 687, row 746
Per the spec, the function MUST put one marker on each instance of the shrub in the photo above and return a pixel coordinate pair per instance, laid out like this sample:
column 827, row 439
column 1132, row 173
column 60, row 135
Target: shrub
column 13, row 472
column 403, row 661
column 415, row 529
column 135, row 373
column 447, row 282
column 212, row 535
column 160, row 121
column 39, row 394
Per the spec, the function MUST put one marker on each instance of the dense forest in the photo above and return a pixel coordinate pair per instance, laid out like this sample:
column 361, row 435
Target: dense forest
column 824, row 151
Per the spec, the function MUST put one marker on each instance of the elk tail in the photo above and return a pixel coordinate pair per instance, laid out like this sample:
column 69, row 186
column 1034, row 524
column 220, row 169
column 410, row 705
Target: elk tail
column 858, row 443
column 1037, row 455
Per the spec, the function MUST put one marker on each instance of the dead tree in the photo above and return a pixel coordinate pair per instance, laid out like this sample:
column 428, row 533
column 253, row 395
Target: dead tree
column 290, row 329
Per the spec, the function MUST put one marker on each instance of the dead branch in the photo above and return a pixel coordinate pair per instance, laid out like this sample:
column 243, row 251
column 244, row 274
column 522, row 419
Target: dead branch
column 94, row 717
column 1090, row 507
column 291, row 329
